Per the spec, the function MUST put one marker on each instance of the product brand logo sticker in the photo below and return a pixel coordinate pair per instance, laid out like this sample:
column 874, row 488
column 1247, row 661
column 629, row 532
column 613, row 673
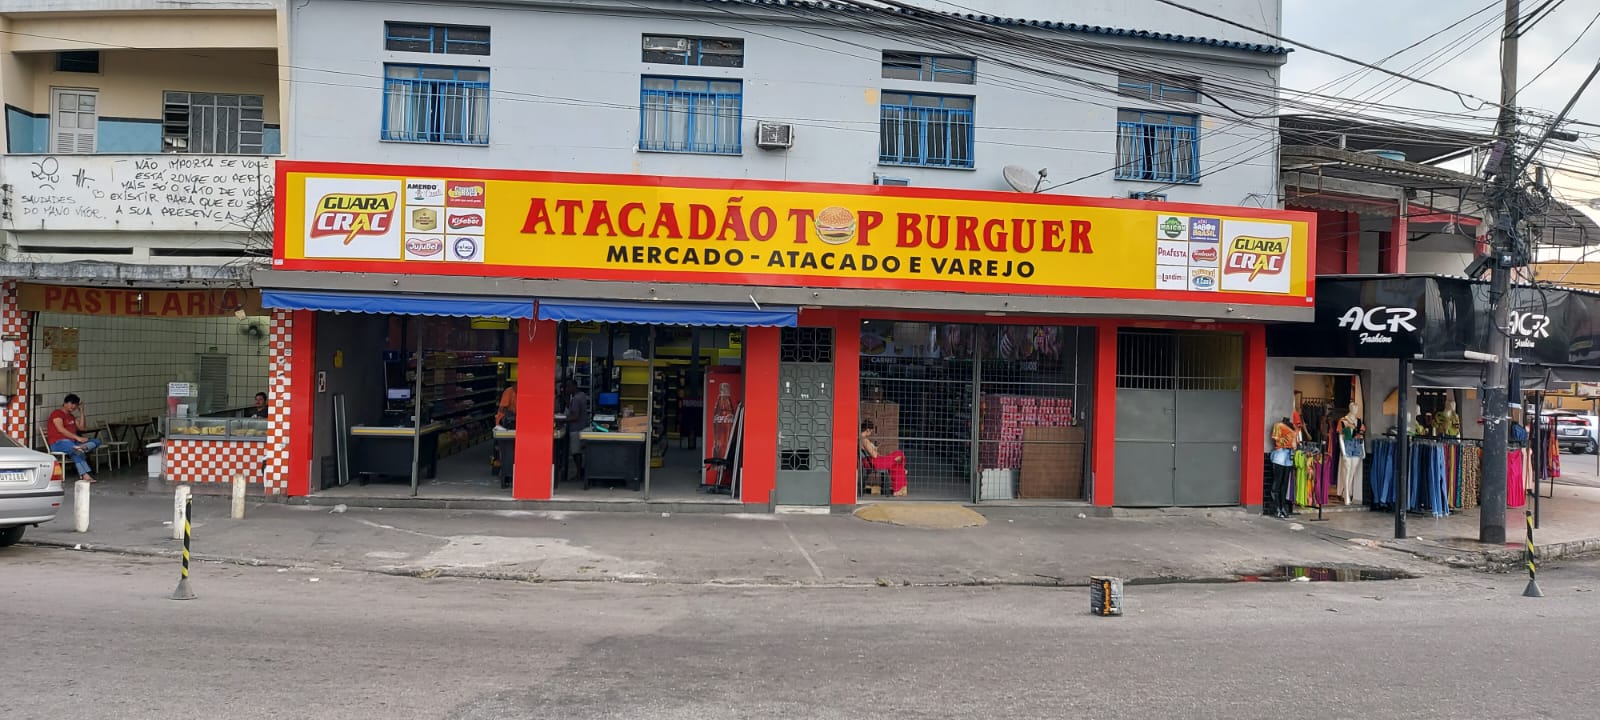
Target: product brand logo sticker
column 1205, row 229
column 1256, row 256
column 465, row 248
column 353, row 215
column 1172, row 227
column 1204, row 255
column 465, row 194
column 423, row 247
column 457, row 222
column 422, row 191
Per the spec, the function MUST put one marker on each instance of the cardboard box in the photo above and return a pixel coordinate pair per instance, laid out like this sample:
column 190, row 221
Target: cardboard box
column 635, row 424
column 886, row 417
column 1052, row 463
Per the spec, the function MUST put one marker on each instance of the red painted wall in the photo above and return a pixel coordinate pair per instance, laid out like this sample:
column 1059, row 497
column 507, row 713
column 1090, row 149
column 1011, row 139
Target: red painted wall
column 760, row 414
column 1255, row 414
column 536, row 401
column 302, row 398
column 846, row 405
column 1103, row 438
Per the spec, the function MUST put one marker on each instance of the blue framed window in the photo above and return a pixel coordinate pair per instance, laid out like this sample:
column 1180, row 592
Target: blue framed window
column 1158, row 146
column 690, row 115
column 926, row 130
column 680, row 50
column 434, row 104
column 932, row 68
column 443, row 39
column 1165, row 88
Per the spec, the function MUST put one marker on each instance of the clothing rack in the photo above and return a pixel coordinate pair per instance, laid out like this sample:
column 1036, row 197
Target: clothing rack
column 1444, row 474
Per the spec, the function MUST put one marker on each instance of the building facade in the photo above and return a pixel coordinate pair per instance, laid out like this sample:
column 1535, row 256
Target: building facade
column 137, row 181
column 939, row 228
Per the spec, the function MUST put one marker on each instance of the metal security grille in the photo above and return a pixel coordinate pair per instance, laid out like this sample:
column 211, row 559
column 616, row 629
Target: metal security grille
column 805, row 416
column 1179, row 417
column 1034, row 412
column 981, row 412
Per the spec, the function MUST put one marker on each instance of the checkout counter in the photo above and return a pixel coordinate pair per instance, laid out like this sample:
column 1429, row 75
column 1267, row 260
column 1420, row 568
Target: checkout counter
column 382, row 451
column 505, row 444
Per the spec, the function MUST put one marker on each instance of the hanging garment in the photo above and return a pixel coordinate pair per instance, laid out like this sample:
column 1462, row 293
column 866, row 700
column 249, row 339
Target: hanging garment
column 1516, row 496
column 1553, row 452
column 1384, row 472
column 1322, row 479
column 1471, row 475
column 1438, row 494
column 1302, row 479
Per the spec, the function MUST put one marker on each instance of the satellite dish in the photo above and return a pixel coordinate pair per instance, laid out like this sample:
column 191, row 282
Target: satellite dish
column 1022, row 179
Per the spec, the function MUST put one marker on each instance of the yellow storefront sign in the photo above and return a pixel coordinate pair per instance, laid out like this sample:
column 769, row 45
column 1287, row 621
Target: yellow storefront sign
column 566, row 226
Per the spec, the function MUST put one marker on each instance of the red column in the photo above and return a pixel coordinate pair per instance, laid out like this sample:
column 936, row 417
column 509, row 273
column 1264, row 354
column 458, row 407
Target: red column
column 300, row 354
column 536, row 402
column 1352, row 243
column 1104, row 424
column 846, row 406
column 760, row 472
column 1255, row 415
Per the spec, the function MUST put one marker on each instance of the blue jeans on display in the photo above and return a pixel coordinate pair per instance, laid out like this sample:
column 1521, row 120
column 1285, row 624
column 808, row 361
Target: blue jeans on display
column 70, row 447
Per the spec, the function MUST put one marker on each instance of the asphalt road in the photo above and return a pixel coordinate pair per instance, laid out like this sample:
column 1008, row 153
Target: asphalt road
column 1579, row 470
column 93, row 636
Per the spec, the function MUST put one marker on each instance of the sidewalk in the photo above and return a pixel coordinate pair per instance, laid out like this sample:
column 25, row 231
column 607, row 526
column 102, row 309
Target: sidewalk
column 839, row 550
column 1569, row 525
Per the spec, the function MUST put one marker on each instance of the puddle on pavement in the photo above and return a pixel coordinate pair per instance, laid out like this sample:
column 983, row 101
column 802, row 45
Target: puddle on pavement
column 1314, row 573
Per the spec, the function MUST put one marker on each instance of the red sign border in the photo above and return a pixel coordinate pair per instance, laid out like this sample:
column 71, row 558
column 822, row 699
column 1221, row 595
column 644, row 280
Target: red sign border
column 280, row 212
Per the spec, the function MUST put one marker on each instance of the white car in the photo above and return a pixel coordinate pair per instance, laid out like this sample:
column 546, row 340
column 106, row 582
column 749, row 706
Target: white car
column 30, row 489
column 1575, row 432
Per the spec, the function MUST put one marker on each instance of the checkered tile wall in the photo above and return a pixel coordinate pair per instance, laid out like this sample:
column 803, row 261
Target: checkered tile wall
column 14, row 327
column 275, row 477
column 213, row 461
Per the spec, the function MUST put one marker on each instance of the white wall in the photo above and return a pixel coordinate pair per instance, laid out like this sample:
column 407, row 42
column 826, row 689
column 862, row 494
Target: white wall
column 124, row 364
column 565, row 93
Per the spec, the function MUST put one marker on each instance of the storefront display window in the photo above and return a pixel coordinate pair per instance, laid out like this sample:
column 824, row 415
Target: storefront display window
column 981, row 412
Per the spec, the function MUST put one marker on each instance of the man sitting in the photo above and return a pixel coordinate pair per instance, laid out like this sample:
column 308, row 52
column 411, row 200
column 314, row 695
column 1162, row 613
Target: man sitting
column 63, row 436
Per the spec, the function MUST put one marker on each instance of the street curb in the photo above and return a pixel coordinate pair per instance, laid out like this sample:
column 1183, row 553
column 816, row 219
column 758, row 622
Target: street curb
column 1042, row 581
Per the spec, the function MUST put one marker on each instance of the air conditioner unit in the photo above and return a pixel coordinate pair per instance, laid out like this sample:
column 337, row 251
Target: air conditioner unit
column 887, row 180
column 774, row 135
column 1157, row 197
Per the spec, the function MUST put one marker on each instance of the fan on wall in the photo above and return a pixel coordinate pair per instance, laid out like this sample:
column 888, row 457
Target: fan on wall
column 253, row 329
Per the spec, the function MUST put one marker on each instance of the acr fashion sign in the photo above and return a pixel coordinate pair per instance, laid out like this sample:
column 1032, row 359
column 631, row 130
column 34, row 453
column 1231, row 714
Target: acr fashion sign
column 1441, row 318
column 129, row 302
column 609, row 227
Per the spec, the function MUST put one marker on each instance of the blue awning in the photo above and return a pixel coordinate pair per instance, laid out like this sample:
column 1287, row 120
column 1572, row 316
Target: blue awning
column 399, row 304
column 668, row 313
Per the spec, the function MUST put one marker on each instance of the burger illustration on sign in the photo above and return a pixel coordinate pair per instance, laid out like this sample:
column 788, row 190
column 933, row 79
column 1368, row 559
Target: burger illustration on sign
column 835, row 225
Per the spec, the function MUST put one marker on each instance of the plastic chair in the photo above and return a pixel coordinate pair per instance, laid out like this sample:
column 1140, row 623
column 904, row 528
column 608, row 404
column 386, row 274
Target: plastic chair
column 61, row 457
column 864, row 463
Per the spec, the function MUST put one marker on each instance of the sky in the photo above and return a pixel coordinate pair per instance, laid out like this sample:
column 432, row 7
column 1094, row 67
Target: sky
column 1371, row 30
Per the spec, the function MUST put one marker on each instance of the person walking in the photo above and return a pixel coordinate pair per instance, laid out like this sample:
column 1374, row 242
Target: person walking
column 63, row 436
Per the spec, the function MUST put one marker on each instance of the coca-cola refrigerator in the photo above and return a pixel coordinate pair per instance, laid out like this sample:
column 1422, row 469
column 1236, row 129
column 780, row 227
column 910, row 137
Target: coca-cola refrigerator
column 724, row 393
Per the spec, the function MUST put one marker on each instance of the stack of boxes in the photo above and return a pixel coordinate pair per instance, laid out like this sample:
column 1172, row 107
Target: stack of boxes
column 1035, row 434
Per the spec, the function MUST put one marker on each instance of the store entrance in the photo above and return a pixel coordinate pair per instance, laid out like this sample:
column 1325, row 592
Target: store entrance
column 974, row 412
column 398, row 392
column 1180, row 417
column 652, row 412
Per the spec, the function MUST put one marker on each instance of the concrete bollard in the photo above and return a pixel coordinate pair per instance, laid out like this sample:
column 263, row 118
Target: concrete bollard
column 80, row 506
column 239, row 485
column 180, row 501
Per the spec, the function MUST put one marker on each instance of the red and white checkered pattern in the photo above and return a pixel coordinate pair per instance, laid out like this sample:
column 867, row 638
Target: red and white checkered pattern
column 213, row 461
column 280, row 352
column 14, row 327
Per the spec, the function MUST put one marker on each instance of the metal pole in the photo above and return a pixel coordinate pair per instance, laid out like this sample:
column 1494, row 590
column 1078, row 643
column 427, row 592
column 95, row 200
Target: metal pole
column 416, row 414
column 650, row 408
column 1543, row 452
column 977, row 410
column 1402, row 490
column 183, row 592
column 1492, row 514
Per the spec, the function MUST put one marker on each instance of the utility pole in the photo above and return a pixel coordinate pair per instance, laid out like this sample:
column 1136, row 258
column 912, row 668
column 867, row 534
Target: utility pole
column 1496, row 414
